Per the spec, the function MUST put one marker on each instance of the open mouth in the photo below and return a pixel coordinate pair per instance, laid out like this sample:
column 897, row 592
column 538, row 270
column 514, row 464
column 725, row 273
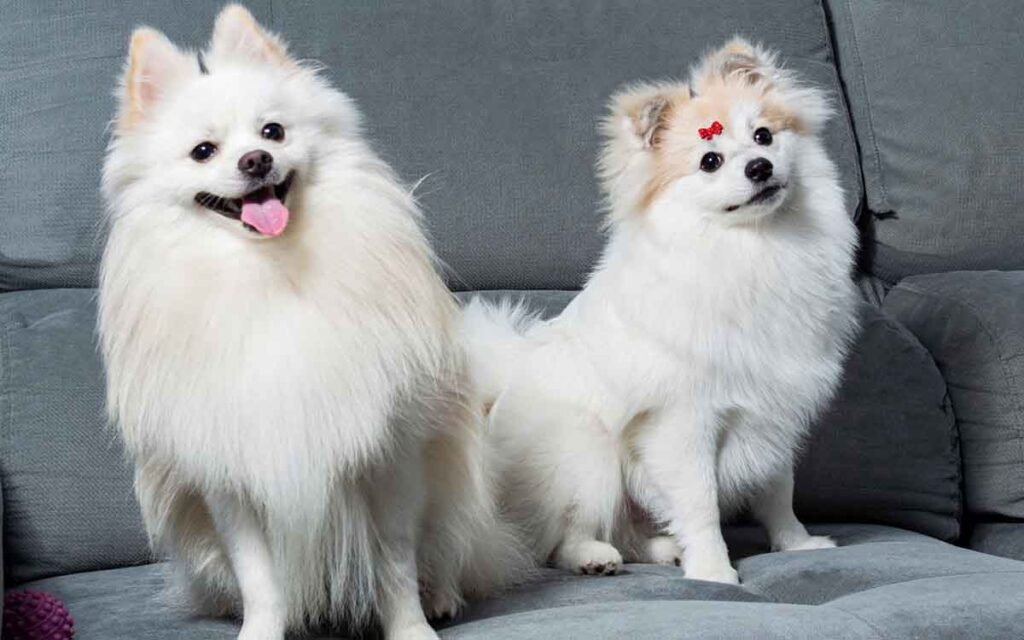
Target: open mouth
column 261, row 211
column 764, row 195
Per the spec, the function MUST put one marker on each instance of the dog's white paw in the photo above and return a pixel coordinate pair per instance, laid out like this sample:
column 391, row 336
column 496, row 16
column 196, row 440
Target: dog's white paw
column 591, row 557
column 416, row 631
column 809, row 543
column 441, row 603
column 711, row 571
column 664, row 550
column 254, row 628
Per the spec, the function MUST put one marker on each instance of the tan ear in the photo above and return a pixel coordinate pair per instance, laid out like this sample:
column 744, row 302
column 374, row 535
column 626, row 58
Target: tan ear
column 154, row 64
column 645, row 110
column 236, row 34
column 737, row 59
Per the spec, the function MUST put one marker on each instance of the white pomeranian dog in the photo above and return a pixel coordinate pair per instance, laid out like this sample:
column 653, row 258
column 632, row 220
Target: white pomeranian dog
column 678, row 385
column 283, row 360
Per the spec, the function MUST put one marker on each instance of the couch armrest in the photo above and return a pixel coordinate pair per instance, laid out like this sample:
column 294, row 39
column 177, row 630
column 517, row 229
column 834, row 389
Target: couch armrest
column 972, row 322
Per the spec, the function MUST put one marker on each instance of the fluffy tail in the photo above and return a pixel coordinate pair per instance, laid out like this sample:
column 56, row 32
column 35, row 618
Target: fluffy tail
column 180, row 526
column 494, row 339
column 498, row 557
column 468, row 549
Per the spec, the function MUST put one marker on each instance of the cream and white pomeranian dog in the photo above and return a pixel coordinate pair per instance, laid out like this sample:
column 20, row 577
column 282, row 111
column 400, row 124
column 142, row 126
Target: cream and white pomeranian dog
column 678, row 385
column 283, row 360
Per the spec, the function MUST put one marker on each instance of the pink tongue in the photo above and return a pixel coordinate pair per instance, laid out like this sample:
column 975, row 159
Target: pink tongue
column 269, row 217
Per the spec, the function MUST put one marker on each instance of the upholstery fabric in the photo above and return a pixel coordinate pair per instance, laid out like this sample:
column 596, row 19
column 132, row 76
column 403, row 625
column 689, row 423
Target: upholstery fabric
column 935, row 93
column 497, row 103
column 868, row 558
column 493, row 104
column 68, row 500
column 973, row 325
column 954, row 607
column 881, row 583
column 886, row 450
column 688, row 620
column 1004, row 539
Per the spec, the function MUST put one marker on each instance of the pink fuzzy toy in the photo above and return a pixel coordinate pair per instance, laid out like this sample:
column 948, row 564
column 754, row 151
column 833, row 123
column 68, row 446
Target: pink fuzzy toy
column 34, row 615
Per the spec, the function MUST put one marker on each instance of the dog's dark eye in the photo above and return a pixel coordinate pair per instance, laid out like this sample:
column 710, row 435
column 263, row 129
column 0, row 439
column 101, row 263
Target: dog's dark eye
column 203, row 151
column 763, row 136
column 273, row 131
column 710, row 162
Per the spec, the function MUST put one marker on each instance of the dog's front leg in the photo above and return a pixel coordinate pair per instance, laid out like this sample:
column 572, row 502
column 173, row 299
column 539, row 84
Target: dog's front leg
column 397, row 502
column 679, row 452
column 401, row 612
column 773, row 508
column 264, row 611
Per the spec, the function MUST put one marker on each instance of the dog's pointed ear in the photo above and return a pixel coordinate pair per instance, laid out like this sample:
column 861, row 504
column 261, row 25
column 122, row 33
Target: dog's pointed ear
column 649, row 119
column 738, row 59
column 644, row 111
column 236, row 34
column 154, row 64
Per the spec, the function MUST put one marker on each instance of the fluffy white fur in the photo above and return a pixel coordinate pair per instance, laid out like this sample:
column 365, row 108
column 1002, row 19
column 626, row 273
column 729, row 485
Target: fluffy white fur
column 297, row 407
column 679, row 384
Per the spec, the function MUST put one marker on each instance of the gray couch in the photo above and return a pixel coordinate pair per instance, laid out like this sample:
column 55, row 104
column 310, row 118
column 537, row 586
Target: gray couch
column 918, row 469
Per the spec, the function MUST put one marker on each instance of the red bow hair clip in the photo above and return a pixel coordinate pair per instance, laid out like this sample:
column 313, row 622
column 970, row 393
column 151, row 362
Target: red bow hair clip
column 712, row 131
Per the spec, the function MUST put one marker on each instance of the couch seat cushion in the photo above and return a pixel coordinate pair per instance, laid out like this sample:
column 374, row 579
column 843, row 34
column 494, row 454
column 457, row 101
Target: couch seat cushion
column 869, row 557
column 881, row 578
column 974, row 606
column 670, row 620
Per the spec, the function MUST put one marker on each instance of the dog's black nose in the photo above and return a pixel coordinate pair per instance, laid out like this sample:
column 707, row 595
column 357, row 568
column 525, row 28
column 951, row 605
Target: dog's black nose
column 759, row 169
column 256, row 164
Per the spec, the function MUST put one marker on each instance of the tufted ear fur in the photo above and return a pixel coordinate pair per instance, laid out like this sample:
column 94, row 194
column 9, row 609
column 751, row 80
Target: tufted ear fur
column 237, row 35
column 805, row 108
column 642, row 111
column 633, row 132
column 736, row 60
column 154, row 64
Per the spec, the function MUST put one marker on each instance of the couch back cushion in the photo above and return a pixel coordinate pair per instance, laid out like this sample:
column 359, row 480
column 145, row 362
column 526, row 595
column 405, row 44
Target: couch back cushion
column 59, row 64
column 68, row 501
column 935, row 90
column 493, row 103
column 887, row 450
column 972, row 322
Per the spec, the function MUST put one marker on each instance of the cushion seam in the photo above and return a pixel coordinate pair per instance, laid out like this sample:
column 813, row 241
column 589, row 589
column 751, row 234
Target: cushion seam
column 583, row 604
column 878, row 632
column 886, row 204
column 958, row 495
column 843, row 108
column 830, row 603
